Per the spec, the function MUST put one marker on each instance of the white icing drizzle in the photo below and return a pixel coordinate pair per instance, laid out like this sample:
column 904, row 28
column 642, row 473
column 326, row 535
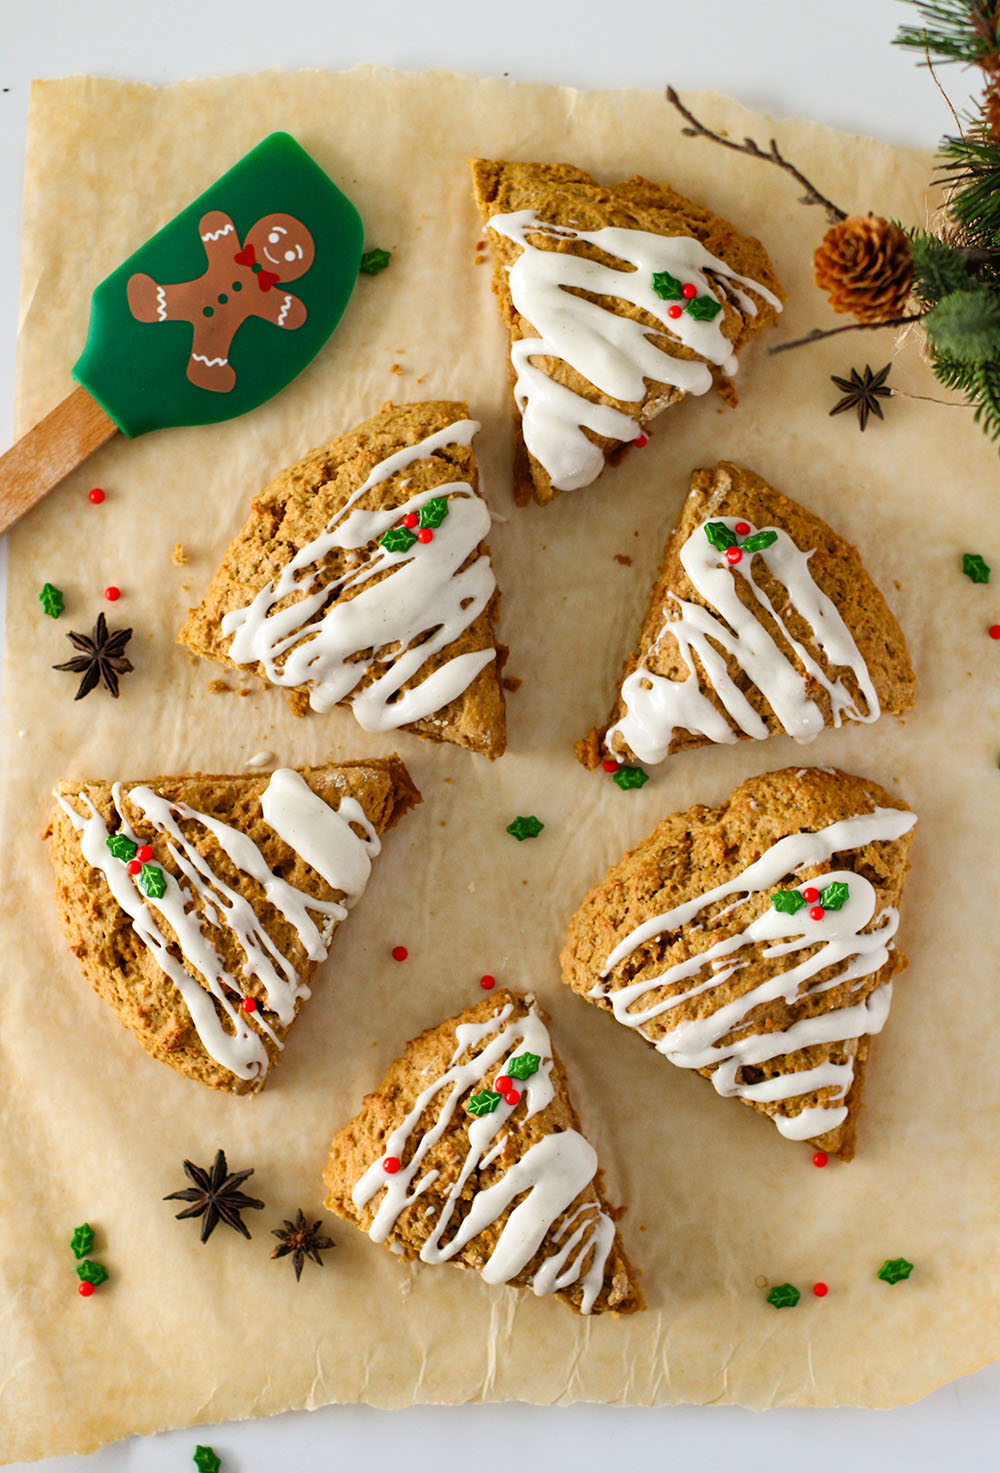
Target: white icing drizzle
column 323, row 836
column 853, row 940
column 316, row 643
column 656, row 707
column 613, row 353
column 552, row 1172
column 260, row 759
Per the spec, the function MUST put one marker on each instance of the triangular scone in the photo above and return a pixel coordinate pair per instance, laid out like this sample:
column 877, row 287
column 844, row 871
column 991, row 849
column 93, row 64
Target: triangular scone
column 470, row 1152
column 202, row 922
column 619, row 301
column 753, row 942
column 362, row 578
column 761, row 620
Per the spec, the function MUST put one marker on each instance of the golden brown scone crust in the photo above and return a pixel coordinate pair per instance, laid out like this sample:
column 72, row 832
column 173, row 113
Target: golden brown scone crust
column 362, row 1141
column 297, row 506
column 728, row 490
column 690, row 853
column 564, row 195
column 121, row 969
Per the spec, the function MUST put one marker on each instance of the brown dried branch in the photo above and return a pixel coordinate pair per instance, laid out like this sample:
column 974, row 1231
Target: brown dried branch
column 832, row 332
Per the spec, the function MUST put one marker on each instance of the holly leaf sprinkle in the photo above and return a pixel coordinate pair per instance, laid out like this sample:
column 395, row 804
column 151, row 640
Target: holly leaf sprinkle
column 894, row 1269
column 151, row 881
column 524, row 1065
column 784, row 1296
column 668, row 287
column 720, row 536
column 630, row 777
column 759, row 541
column 788, row 901
column 121, row 846
column 433, row 512
column 89, row 1272
column 51, row 600
column 205, row 1460
column 483, row 1102
column 82, row 1240
column 834, row 895
column 374, row 261
column 525, row 826
column 398, row 539
column 703, row 309
column 973, row 566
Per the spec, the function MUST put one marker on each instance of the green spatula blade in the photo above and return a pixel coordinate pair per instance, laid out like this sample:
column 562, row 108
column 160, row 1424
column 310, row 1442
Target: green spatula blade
column 228, row 303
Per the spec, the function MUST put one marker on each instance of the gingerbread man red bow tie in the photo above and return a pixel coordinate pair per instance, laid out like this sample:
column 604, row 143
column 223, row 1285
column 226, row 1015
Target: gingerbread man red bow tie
column 265, row 279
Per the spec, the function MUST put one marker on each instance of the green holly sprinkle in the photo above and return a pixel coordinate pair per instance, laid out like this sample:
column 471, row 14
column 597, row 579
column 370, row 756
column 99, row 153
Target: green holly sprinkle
column 668, row 287
column 630, row 777
column 121, row 846
column 788, row 901
column 524, row 1065
column 51, row 600
column 525, row 826
column 151, row 881
column 89, row 1272
column 704, row 309
column 82, row 1240
column 398, row 539
column 433, row 512
column 973, row 566
column 720, row 536
column 894, row 1269
column 784, row 1296
column 205, row 1460
column 484, row 1102
column 374, row 261
column 759, row 541
column 834, row 895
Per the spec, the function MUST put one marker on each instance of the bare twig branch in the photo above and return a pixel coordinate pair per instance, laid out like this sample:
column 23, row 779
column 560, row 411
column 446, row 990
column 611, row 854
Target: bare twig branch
column 832, row 332
column 773, row 155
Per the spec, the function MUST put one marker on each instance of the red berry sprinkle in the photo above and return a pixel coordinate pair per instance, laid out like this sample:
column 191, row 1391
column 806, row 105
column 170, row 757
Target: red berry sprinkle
column 399, row 953
column 810, row 895
column 249, row 1004
column 689, row 290
column 609, row 764
column 674, row 311
column 133, row 866
column 820, row 1158
column 995, row 631
column 144, row 854
column 391, row 1165
column 511, row 1096
column 112, row 594
column 640, row 441
column 503, row 1083
column 742, row 528
column 97, row 496
column 820, row 1290
column 85, row 1289
column 425, row 535
column 817, row 913
column 734, row 555
column 487, row 983
column 411, row 519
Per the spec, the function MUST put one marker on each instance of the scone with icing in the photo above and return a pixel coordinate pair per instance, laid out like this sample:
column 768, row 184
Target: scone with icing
column 754, row 943
column 470, row 1153
column 199, row 906
column 362, row 579
column 762, row 620
column 619, row 301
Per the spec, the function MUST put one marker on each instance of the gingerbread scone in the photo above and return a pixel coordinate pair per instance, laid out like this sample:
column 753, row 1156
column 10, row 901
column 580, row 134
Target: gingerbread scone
column 762, row 620
column 753, row 943
column 470, row 1152
column 362, row 578
column 619, row 301
column 199, row 906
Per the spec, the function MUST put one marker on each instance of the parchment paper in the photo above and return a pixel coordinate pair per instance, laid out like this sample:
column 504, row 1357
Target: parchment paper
column 95, row 1130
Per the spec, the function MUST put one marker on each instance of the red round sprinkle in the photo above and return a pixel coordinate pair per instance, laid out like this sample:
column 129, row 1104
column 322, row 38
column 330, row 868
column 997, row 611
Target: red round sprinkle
column 810, row 895
column 144, row 854
column 689, row 290
column 742, row 528
column 817, row 913
column 97, row 496
column 85, row 1289
column 133, row 866
column 399, row 953
column 487, row 983
column 511, row 1096
column 995, row 631
column 503, row 1083
column 391, row 1165
column 820, row 1290
column 425, row 535
column 411, row 519
column 820, row 1158
column 674, row 311
column 112, row 594
column 734, row 555
column 640, row 441
column 249, row 1004
column 609, row 764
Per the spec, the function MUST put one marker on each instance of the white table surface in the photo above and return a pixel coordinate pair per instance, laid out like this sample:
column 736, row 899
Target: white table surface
column 829, row 61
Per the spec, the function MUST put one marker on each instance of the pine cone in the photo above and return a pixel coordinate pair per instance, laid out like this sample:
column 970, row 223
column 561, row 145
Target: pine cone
column 865, row 267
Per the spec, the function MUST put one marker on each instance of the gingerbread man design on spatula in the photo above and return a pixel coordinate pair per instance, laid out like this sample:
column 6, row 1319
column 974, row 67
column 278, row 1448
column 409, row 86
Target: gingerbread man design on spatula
column 238, row 282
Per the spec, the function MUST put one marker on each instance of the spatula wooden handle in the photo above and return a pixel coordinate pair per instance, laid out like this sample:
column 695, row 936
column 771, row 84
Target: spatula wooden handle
column 46, row 455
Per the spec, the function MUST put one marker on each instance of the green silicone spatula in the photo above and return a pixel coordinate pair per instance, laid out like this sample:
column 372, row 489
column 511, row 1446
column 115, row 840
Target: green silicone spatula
column 217, row 312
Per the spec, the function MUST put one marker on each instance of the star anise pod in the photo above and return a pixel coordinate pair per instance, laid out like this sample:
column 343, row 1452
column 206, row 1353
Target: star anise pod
column 214, row 1196
column 862, row 392
column 103, row 658
column 302, row 1240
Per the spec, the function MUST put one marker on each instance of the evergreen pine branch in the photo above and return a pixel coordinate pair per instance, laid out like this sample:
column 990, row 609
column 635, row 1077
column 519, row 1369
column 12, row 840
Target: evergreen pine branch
column 954, row 30
column 965, row 326
column 938, row 268
column 987, row 398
